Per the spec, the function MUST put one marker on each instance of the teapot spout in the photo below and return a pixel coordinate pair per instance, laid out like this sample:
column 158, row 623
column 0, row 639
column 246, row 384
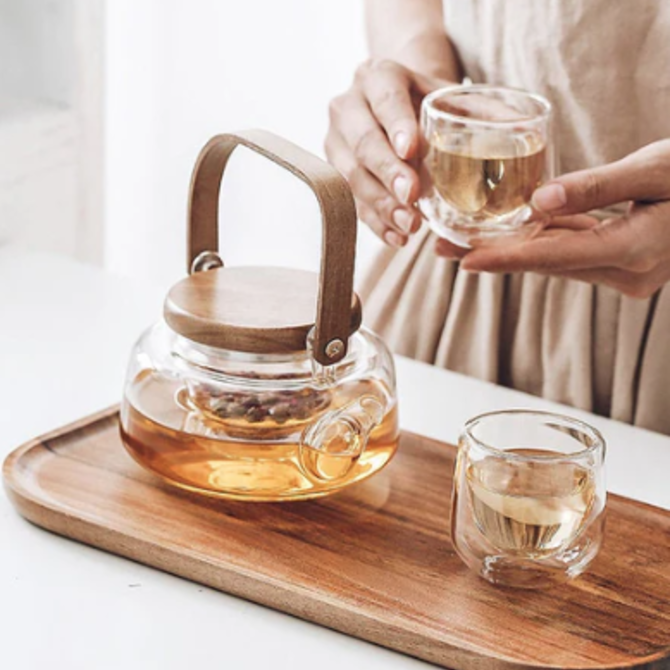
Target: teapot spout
column 331, row 446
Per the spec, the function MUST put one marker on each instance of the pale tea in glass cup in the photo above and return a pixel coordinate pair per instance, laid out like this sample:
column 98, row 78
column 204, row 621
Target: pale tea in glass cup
column 486, row 149
column 529, row 496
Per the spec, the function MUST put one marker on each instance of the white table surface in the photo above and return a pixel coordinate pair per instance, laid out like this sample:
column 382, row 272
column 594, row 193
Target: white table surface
column 65, row 333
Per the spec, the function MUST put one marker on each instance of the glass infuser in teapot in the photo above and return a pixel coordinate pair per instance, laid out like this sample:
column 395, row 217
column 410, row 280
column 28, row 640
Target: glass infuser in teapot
column 240, row 392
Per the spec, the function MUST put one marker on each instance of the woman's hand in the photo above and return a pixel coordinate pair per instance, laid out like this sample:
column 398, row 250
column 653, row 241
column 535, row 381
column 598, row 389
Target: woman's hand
column 373, row 140
column 630, row 253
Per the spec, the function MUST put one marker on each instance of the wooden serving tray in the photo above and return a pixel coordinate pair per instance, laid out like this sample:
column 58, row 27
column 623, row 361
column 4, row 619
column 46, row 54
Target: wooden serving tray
column 374, row 562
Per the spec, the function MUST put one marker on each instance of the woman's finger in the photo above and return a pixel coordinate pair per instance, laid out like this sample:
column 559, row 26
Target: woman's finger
column 366, row 187
column 369, row 191
column 600, row 246
column 371, row 219
column 387, row 87
column 369, row 144
column 643, row 176
column 573, row 222
column 554, row 229
column 448, row 250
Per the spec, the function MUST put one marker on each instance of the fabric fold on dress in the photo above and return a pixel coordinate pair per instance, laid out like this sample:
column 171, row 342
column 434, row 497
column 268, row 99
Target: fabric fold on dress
column 569, row 342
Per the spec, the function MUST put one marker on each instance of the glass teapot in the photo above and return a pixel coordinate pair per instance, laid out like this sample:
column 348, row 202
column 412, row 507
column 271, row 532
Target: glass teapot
column 240, row 392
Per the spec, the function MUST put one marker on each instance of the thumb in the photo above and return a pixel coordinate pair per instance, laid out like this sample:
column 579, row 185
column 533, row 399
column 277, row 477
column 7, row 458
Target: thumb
column 643, row 176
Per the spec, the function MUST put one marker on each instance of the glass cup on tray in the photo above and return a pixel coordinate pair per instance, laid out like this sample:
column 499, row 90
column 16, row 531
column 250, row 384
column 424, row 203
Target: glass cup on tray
column 529, row 497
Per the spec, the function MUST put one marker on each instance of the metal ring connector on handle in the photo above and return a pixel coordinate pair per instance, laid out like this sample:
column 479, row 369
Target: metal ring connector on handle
column 206, row 260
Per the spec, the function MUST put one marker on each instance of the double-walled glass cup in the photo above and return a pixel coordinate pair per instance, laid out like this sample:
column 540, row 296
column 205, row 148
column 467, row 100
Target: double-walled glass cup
column 529, row 497
column 486, row 150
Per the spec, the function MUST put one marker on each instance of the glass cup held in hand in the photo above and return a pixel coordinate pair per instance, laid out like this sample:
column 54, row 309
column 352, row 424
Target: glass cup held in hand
column 529, row 497
column 486, row 150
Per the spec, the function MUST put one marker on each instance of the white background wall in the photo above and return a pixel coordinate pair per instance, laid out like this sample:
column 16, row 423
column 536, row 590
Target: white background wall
column 180, row 71
column 50, row 130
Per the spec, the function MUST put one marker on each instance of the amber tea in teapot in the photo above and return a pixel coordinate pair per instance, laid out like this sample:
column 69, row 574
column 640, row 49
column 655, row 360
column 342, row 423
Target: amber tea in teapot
column 241, row 392
column 171, row 438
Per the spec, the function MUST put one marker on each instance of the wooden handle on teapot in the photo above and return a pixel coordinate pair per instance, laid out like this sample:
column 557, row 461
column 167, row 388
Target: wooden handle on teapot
column 338, row 213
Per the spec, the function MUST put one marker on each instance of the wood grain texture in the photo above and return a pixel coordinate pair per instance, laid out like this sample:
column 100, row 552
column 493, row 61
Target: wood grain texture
column 374, row 561
column 253, row 309
column 338, row 214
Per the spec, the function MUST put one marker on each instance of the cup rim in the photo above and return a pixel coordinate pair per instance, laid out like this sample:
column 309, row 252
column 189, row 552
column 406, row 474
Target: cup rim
column 544, row 104
column 598, row 441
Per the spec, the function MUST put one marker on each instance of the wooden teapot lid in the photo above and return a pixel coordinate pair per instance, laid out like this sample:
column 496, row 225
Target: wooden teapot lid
column 253, row 309
column 268, row 310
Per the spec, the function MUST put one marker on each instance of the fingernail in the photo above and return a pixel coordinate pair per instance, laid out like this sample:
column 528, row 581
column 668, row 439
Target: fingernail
column 549, row 198
column 395, row 240
column 403, row 219
column 401, row 143
column 401, row 188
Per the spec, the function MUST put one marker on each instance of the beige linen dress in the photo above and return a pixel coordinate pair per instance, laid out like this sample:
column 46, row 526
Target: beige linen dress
column 605, row 66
